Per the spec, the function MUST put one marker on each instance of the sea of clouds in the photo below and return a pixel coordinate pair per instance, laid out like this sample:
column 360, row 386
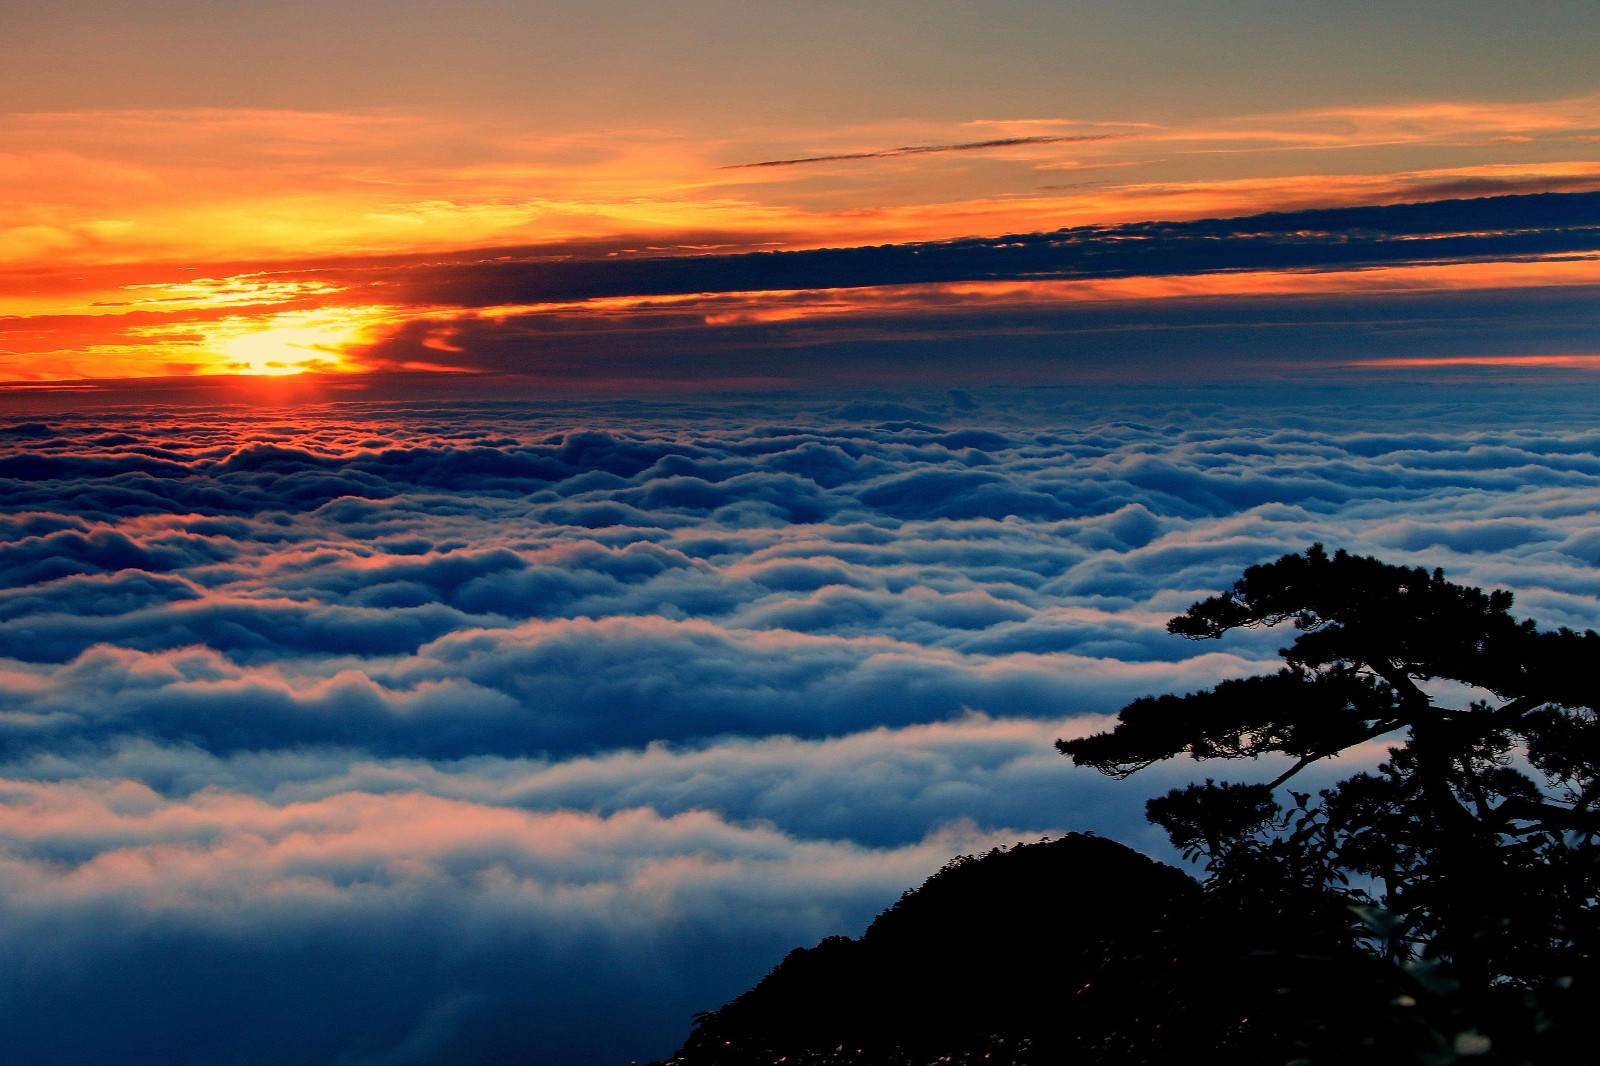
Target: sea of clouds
column 478, row 733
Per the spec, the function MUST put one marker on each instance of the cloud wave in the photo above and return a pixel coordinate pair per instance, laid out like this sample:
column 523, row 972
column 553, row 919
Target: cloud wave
column 528, row 730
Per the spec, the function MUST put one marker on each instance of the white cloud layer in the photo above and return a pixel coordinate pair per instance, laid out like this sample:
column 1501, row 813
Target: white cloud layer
column 387, row 734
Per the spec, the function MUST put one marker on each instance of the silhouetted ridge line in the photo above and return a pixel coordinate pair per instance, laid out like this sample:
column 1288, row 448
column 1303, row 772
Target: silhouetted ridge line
column 991, row 955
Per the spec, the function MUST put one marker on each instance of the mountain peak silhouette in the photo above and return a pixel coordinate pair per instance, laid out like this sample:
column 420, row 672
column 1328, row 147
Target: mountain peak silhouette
column 1014, row 951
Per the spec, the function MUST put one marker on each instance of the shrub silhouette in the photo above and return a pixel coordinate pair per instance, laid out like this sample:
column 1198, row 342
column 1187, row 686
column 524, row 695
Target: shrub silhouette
column 1468, row 861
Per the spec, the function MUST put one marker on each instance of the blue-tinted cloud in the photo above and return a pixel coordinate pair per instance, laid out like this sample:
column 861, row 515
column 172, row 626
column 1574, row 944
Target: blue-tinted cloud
column 461, row 734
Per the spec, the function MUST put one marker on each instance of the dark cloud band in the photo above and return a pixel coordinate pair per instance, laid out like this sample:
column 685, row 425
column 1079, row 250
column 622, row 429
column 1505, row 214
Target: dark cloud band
column 1504, row 227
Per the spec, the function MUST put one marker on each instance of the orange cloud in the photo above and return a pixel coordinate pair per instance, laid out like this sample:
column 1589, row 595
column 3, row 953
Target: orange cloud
column 1575, row 362
column 210, row 185
column 175, row 242
column 107, row 187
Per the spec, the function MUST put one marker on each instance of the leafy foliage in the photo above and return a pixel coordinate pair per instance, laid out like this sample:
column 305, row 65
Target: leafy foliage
column 1468, row 861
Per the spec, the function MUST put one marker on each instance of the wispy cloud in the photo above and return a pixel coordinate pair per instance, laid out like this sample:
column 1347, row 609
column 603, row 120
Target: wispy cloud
column 89, row 190
column 925, row 149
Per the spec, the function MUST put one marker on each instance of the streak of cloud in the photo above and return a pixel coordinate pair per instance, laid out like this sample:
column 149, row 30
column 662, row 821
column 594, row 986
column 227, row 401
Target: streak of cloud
column 926, row 149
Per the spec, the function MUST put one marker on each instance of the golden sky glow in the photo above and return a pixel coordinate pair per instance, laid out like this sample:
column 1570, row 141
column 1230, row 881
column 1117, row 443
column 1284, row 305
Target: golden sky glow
column 269, row 344
column 87, row 189
column 288, row 342
column 171, row 242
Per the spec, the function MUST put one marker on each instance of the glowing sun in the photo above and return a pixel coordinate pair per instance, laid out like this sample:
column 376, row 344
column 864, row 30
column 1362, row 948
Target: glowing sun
column 291, row 342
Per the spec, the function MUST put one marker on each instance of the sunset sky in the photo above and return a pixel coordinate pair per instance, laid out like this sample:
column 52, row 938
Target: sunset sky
column 507, row 190
column 515, row 515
